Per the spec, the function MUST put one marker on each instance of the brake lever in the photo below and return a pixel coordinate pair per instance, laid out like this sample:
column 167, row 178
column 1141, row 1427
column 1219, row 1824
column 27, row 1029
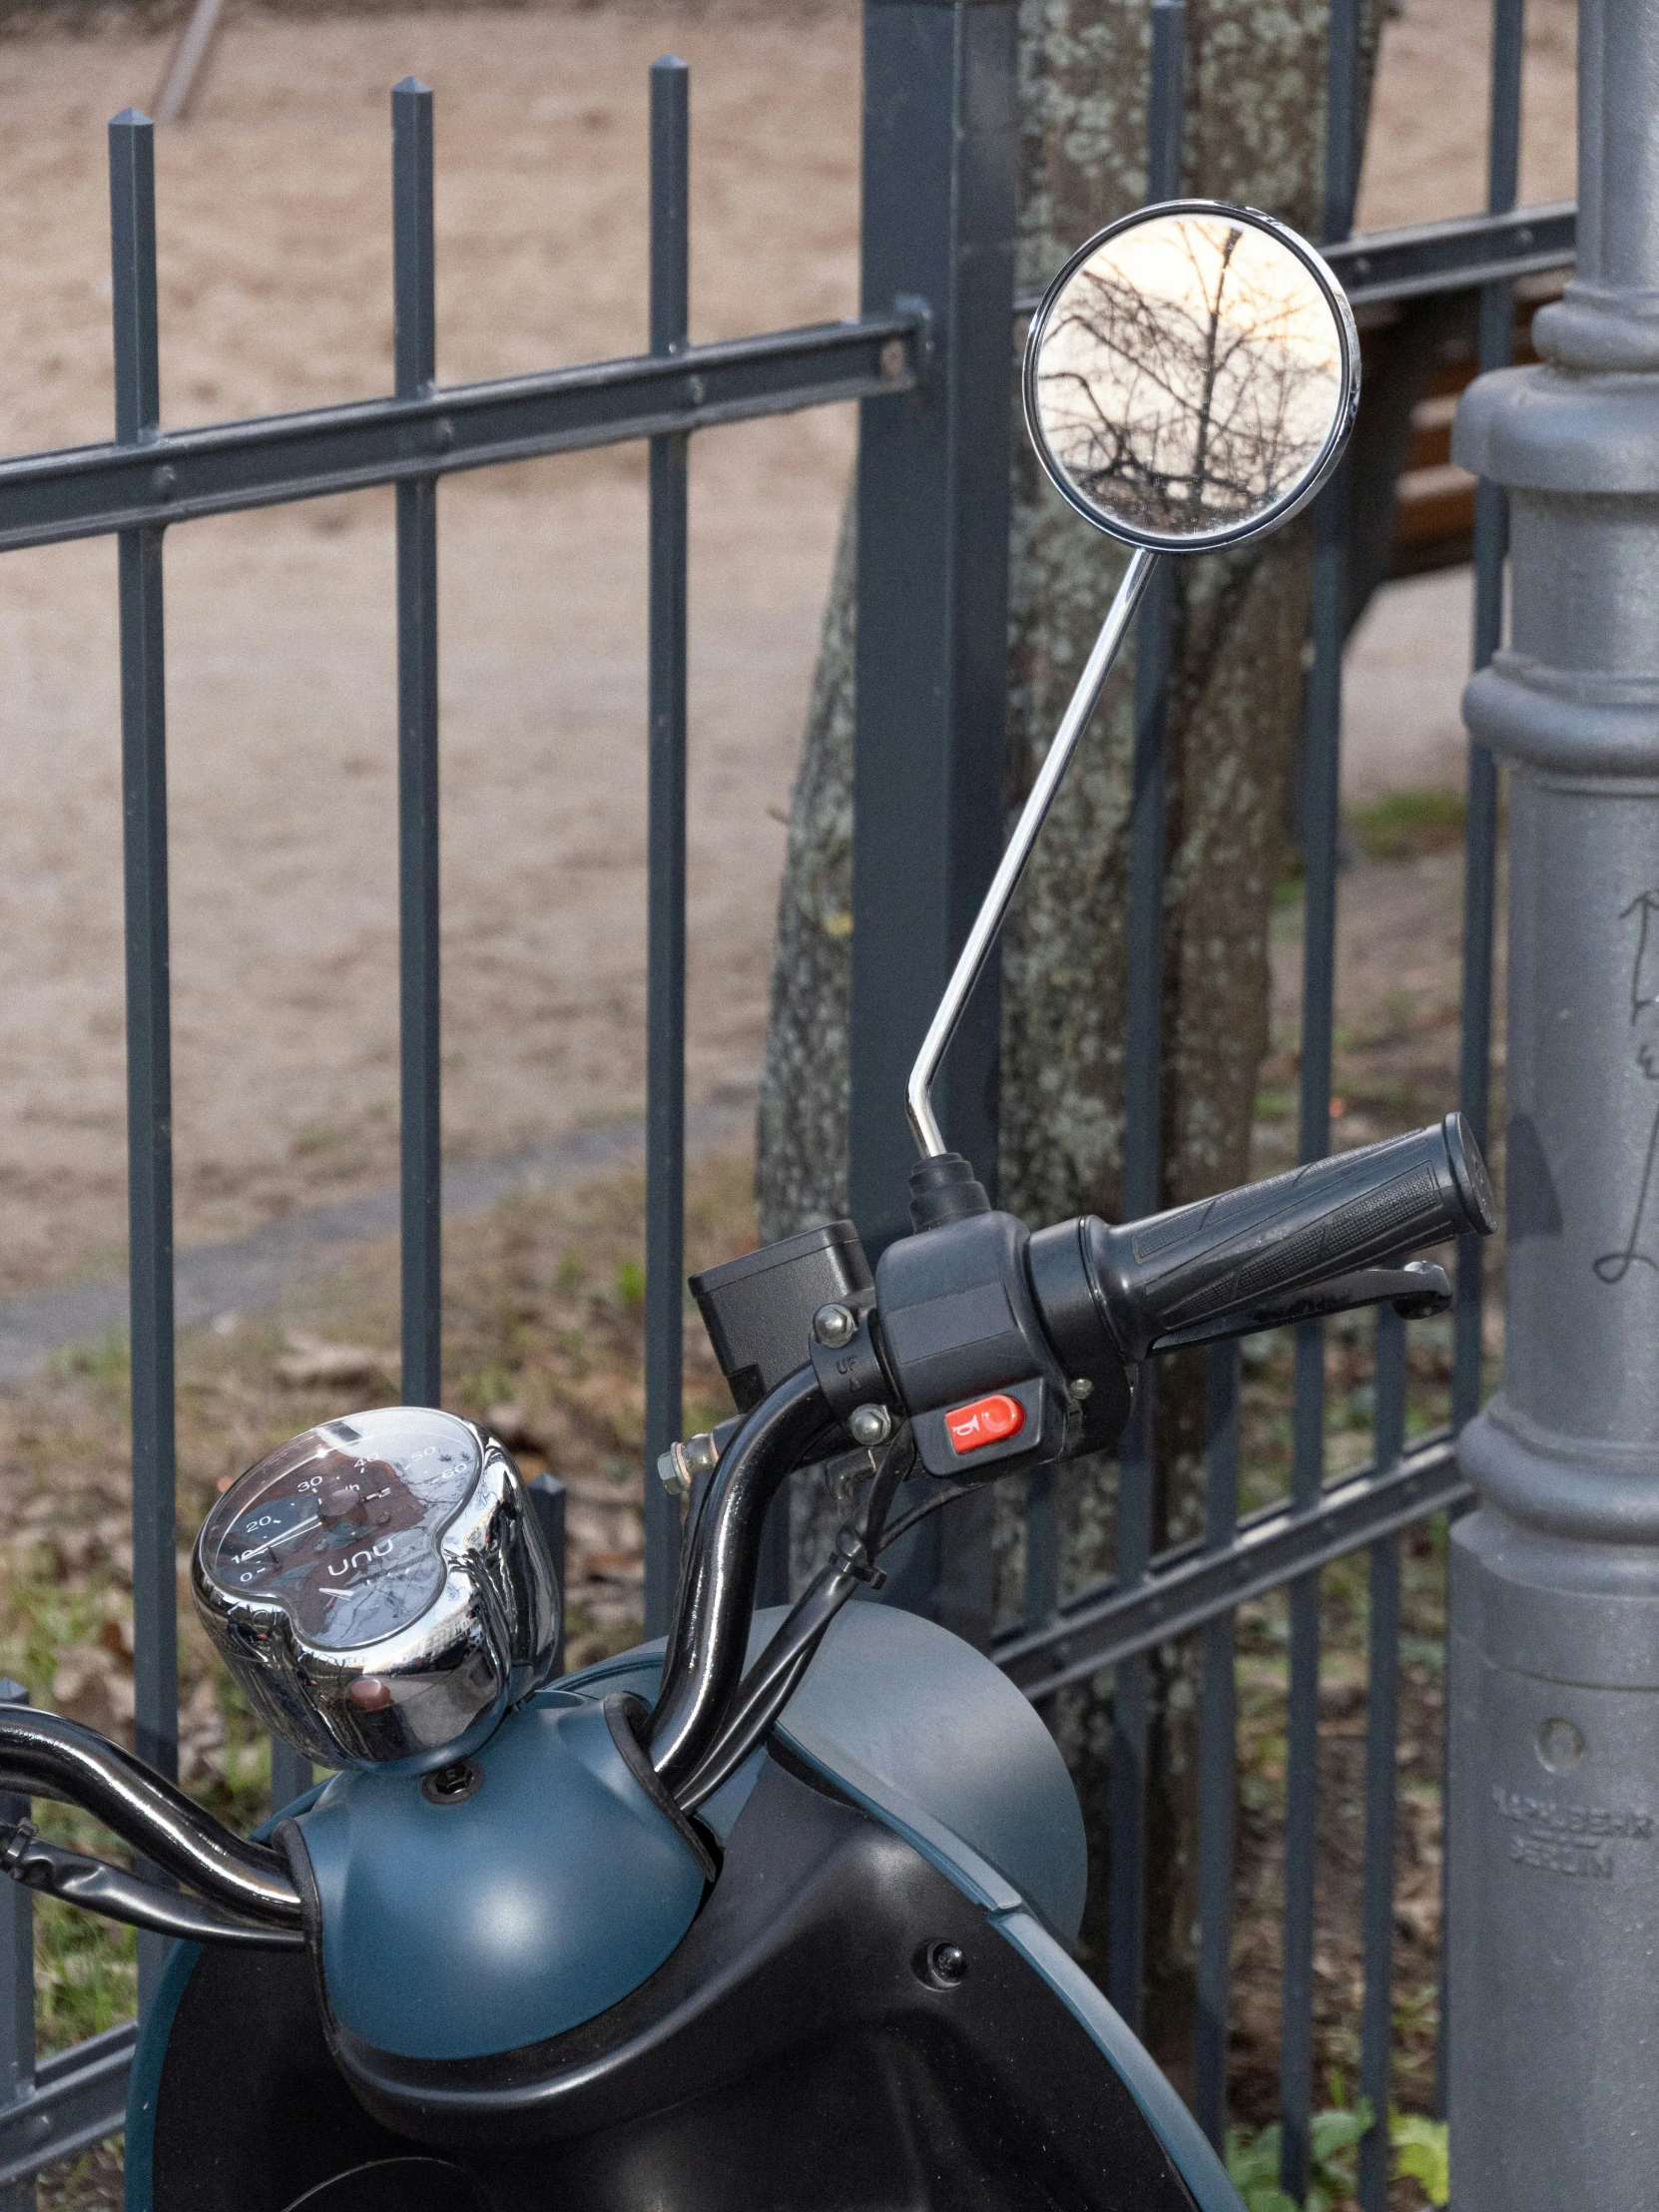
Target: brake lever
column 98, row 1886
column 1415, row 1290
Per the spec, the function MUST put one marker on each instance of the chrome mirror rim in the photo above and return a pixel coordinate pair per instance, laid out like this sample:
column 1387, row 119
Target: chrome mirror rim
column 1292, row 501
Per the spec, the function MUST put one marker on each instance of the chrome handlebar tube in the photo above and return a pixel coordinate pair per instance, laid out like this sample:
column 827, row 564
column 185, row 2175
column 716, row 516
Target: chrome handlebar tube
column 709, row 1633
column 44, row 1755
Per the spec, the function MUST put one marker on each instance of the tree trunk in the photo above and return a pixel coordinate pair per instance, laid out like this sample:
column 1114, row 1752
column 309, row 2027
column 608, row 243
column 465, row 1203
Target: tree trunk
column 1255, row 100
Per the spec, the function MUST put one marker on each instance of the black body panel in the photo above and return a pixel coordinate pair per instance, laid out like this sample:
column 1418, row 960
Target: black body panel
column 794, row 2055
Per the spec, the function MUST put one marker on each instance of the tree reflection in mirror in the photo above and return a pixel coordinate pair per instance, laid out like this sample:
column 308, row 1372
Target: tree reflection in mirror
column 1192, row 377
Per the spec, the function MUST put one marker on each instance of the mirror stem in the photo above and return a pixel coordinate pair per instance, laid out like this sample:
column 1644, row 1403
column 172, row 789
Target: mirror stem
column 918, row 1091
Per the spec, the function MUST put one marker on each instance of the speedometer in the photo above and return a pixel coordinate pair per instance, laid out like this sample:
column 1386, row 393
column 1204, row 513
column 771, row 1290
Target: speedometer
column 380, row 1586
column 341, row 1526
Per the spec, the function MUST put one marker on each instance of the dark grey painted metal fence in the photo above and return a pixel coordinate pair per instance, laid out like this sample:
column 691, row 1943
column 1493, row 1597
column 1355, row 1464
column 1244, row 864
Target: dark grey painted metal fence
column 928, row 360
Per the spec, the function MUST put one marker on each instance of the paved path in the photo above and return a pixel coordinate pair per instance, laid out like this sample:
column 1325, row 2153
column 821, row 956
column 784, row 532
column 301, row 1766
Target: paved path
column 255, row 1270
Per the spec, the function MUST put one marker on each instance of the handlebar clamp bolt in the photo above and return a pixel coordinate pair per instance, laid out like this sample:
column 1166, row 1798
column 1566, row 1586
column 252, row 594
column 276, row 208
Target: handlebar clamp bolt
column 834, row 1325
column 681, row 1464
column 869, row 1424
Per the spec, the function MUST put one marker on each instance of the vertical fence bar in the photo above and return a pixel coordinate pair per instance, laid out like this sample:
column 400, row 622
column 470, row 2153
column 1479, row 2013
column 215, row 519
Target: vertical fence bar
column 1491, row 531
column 291, row 1774
column 148, row 1008
column 1320, row 813
column 417, row 762
column 1042, row 1548
column 1377, row 1913
column 1218, row 1722
column 1131, row 1691
column 1130, row 1687
column 1497, row 321
column 547, row 1496
column 665, row 1161
column 17, row 1980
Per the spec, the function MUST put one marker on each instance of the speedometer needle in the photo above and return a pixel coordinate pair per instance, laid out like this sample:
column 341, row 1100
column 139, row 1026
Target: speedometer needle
column 288, row 1534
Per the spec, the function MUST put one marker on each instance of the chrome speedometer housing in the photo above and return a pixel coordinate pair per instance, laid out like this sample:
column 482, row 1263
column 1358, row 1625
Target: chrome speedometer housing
column 380, row 1589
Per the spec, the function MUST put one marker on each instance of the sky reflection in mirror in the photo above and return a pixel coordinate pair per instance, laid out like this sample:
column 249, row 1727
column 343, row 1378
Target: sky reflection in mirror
column 1189, row 377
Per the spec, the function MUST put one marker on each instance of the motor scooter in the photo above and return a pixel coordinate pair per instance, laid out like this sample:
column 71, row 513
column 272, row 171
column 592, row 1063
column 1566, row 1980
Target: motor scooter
column 775, row 1913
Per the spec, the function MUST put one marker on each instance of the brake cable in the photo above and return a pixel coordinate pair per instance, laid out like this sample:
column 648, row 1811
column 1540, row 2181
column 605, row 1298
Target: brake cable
column 771, row 1681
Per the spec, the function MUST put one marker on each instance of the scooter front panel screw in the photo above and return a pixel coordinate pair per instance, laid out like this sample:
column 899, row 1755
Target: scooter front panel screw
column 869, row 1424
column 834, row 1325
column 454, row 1784
column 943, row 1966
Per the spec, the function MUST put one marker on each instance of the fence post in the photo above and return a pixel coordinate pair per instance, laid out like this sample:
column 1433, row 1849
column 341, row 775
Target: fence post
column 932, row 607
column 1554, row 1814
column 932, row 625
column 17, row 1980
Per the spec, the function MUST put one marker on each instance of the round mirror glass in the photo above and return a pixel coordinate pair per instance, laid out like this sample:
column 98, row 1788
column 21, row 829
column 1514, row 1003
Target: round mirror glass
column 1192, row 375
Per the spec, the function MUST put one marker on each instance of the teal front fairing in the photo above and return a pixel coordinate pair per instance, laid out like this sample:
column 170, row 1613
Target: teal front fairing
column 453, row 1931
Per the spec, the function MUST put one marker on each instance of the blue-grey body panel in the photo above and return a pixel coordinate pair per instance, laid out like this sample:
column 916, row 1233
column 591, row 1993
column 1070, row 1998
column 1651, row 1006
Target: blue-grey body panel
column 1010, row 1914
column 559, row 1888
column 908, row 1702
column 143, row 2077
column 457, row 1931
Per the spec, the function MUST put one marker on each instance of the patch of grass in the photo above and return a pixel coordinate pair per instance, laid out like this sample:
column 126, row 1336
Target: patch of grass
column 1419, row 2147
column 86, row 1969
column 109, row 1359
column 1402, row 824
column 1253, row 2160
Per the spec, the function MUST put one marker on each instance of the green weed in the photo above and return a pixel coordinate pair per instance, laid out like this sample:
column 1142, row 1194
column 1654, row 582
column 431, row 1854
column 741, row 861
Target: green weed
column 1404, row 824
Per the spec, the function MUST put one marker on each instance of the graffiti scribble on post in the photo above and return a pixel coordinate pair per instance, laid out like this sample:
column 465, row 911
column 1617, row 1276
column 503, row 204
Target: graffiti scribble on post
column 1613, row 1267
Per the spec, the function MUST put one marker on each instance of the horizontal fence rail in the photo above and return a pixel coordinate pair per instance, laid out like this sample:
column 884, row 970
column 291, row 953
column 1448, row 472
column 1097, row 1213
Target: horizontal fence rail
column 78, row 2097
column 90, row 491
column 149, row 479
column 1186, row 1588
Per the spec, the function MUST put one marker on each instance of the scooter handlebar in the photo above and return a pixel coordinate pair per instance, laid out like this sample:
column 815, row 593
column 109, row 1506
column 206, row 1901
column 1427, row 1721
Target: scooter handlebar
column 1221, row 1254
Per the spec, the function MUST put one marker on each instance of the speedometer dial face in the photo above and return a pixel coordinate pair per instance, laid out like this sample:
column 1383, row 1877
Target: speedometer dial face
column 341, row 1526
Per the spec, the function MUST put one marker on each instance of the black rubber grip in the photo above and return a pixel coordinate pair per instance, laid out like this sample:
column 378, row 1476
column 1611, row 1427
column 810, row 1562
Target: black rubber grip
column 1224, row 1254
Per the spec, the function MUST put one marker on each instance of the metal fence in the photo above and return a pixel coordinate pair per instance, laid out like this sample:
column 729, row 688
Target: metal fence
column 927, row 359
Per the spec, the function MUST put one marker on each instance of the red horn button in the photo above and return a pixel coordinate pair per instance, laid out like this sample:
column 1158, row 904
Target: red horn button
column 987, row 1421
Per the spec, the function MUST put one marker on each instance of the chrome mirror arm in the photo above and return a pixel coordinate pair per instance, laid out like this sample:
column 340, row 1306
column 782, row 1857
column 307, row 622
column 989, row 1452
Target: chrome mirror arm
column 1191, row 378
column 918, row 1103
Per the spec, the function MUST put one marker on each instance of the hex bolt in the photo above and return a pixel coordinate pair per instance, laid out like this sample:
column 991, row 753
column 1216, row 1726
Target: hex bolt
column 834, row 1325
column 870, row 1424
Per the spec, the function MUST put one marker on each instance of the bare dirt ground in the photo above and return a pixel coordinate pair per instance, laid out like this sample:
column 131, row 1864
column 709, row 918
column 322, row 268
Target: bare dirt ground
column 275, row 292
